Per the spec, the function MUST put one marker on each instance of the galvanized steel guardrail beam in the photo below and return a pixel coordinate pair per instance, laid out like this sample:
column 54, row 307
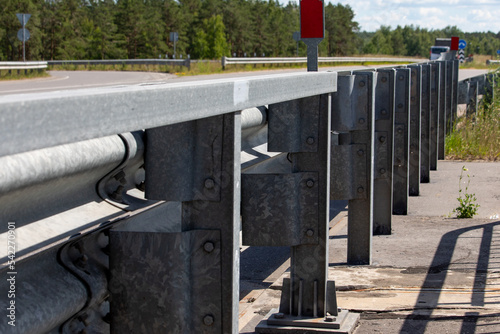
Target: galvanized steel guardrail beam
column 297, row 60
column 174, row 62
column 19, row 65
column 192, row 157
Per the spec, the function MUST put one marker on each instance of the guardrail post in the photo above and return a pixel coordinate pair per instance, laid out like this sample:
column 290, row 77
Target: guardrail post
column 442, row 108
column 449, row 98
column 435, row 103
column 401, row 142
column 472, row 99
column 384, row 128
column 415, row 110
column 353, row 116
column 184, row 280
column 425, row 116
column 454, row 89
column 292, row 209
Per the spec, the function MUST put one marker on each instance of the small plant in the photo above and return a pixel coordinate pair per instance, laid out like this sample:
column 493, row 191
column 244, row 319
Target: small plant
column 467, row 204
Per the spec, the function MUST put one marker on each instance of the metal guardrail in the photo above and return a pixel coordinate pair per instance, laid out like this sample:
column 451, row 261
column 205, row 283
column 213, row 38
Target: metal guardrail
column 18, row 65
column 174, row 62
column 470, row 89
column 296, row 60
column 492, row 62
column 99, row 208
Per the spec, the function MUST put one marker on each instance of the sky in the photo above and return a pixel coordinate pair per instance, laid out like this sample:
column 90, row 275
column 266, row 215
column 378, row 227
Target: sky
column 467, row 15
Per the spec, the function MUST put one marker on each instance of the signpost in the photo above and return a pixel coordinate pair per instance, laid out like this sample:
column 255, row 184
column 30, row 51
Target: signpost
column 296, row 38
column 312, row 29
column 23, row 34
column 174, row 36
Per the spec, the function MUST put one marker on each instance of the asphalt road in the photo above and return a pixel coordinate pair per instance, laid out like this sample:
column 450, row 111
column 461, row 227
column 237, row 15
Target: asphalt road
column 63, row 80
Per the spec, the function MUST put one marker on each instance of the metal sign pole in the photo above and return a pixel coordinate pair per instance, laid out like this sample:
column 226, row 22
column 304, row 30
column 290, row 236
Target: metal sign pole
column 312, row 29
column 24, row 39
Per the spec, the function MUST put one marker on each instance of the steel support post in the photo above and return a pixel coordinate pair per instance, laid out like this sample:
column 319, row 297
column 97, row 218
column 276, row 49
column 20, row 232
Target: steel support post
column 435, row 98
column 184, row 281
column 425, row 127
column 449, row 97
column 353, row 116
column 384, row 128
column 454, row 92
column 472, row 99
column 415, row 129
column 443, row 101
column 293, row 209
column 401, row 142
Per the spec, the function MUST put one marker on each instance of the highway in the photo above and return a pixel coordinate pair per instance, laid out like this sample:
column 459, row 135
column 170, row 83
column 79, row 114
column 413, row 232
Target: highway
column 64, row 80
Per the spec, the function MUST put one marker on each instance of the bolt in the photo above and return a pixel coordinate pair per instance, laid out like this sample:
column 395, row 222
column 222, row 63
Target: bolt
column 120, row 176
column 329, row 319
column 383, row 112
column 361, row 152
column 361, row 121
column 361, row 189
column 413, row 99
column 361, row 84
column 279, row 315
column 209, row 246
column 82, row 261
column 117, row 194
column 382, row 171
column 399, row 161
column 208, row 320
column 310, row 183
column 382, row 139
column 400, row 130
column 310, row 233
column 401, row 77
column 400, row 105
column 310, row 140
column 384, row 79
column 209, row 183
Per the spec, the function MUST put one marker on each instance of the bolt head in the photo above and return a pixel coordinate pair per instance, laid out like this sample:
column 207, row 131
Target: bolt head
column 361, row 152
column 209, row 183
column 400, row 105
column 329, row 319
column 401, row 77
column 310, row 183
column 310, row 233
column 382, row 139
column 208, row 320
column 361, row 84
column 310, row 140
column 384, row 79
column 209, row 247
column 361, row 121
column 361, row 189
column 383, row 112
column 279, row 315
column 382, row 170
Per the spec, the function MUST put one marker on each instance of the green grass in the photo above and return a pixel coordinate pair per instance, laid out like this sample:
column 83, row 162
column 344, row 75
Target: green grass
column 19, row 75
column 477, row 137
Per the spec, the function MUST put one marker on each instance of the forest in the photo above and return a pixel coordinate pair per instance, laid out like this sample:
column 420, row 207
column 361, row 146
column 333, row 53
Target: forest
column 207, row 29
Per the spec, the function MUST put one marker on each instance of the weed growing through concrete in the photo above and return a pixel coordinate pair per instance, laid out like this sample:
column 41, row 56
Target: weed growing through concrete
column 467, row 207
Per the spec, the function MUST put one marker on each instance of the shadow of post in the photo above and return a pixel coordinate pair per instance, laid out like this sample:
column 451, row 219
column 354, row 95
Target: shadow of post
column 436, row 277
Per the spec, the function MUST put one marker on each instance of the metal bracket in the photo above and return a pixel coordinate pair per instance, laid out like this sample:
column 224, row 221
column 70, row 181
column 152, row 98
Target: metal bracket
column 115, row 187
column 381, row 155
column 178, row 274
column 192, row 168
column 279, row 209
column 87, row 259
column 348, row 172
column 293, row 125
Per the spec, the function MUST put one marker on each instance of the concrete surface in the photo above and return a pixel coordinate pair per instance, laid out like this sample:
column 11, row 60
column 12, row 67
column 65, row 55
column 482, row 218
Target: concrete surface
column 434, row 274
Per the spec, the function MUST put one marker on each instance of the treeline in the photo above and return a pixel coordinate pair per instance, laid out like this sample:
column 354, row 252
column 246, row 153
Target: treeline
column 414, row 41
column 207, row 29
column 111, row 29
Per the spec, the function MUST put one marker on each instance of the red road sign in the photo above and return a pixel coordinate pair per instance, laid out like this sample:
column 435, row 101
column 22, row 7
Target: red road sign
column 312, row 19
column 454, row 44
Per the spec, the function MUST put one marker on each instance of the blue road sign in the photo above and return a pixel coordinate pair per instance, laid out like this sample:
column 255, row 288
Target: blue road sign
column 498, row 52
column 462, row 44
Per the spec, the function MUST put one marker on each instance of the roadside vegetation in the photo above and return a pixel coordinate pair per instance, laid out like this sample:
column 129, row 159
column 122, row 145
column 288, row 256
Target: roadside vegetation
column 18, row 75
column 477, row 137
